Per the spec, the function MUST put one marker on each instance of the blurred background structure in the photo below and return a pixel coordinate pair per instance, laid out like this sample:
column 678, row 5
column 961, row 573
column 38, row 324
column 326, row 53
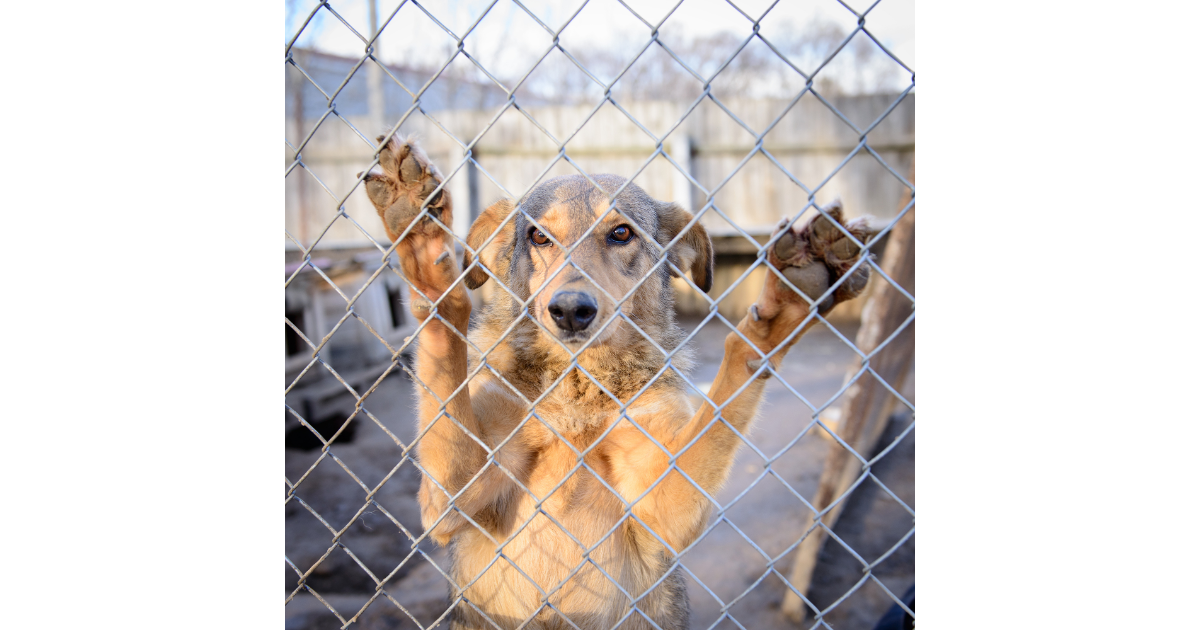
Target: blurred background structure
column 835, row 98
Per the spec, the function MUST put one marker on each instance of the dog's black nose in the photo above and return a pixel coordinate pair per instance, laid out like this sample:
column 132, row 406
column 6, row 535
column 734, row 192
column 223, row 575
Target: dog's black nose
column 572, row 310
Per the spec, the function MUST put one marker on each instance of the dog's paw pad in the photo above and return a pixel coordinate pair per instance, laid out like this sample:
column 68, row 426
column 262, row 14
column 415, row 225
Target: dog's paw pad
column 402, row 182
column 817, row 255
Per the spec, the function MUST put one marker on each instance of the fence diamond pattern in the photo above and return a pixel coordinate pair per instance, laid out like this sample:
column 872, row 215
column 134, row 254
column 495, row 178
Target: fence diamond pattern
column 337, row 213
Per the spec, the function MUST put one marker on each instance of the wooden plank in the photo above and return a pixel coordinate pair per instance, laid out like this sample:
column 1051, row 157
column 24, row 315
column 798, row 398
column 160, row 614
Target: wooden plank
column 810, row 142
column 867, row 404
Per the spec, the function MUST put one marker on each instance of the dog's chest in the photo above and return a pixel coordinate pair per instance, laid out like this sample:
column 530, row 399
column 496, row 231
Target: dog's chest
column 587, row 466
column 573, row 419
column 581, row 412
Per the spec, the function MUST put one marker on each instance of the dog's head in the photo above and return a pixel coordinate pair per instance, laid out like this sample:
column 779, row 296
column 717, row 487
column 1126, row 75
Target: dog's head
column 575, row 298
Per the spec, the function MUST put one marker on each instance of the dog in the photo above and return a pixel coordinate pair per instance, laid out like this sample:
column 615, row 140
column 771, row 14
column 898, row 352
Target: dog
column 573, row 515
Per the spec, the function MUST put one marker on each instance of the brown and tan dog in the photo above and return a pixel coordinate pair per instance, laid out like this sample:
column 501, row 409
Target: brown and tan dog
column 538, row 538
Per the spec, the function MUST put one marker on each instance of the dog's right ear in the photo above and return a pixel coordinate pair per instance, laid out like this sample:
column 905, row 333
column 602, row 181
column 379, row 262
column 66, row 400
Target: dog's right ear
column 497, row 255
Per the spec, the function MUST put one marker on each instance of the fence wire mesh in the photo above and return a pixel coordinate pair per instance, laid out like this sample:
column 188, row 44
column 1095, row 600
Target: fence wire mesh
column 358, row 310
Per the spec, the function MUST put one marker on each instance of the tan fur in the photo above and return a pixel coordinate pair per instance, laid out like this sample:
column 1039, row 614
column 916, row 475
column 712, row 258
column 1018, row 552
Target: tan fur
column 544, row 512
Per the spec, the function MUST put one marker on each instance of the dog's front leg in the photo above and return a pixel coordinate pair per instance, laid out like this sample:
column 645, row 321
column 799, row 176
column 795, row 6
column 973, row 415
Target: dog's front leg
column 813, row 258
column 450, row 451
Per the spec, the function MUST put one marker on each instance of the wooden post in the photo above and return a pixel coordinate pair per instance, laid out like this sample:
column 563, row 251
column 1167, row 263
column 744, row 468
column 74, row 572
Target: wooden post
column 868, row 404
column 297, row 86
column 472, row 190
column 375, row 107
column 681, row 186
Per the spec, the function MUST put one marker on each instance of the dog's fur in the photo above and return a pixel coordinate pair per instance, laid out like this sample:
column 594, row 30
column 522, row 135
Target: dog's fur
column 531, row 502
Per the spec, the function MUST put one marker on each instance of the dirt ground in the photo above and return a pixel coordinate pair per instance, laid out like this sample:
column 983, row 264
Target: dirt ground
column 723, row 565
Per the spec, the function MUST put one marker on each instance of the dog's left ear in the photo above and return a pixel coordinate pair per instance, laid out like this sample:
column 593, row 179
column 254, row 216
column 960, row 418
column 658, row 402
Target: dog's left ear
column 498, row 253
column 693, row 252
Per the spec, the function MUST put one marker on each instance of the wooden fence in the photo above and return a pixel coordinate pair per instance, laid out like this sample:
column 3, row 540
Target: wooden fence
column 810, row 141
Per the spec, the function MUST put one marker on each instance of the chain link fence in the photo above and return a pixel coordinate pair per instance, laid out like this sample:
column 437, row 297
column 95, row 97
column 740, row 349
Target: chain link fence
column 366, row 295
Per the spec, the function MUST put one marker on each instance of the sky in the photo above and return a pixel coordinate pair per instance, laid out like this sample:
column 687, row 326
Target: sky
column 509, row 40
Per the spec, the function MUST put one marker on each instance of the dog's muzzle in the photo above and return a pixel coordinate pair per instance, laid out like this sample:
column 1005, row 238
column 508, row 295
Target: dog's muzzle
column 572, row 311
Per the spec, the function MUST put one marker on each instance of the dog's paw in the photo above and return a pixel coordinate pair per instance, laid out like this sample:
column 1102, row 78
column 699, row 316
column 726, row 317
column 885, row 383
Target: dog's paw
column 400, row 185
column 813, row 258
column 404, row 181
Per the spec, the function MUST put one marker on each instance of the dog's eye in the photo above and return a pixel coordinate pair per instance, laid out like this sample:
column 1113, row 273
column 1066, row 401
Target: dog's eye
column 538, row 237
column 621, row 234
